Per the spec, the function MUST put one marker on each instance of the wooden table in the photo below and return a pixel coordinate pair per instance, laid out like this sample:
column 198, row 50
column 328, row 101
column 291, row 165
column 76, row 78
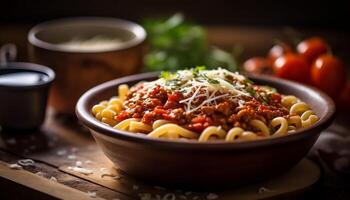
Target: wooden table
column 63, row 144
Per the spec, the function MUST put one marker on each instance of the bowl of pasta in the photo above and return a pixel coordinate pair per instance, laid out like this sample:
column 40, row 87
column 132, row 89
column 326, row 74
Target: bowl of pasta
column 201, row 127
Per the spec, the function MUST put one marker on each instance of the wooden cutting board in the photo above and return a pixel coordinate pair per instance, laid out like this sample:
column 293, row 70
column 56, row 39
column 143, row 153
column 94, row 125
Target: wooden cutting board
column 62, row 145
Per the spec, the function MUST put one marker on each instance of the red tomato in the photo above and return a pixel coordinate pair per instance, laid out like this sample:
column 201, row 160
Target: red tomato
column 344, row 98
column 311, row 48
column 277, row 51
column 328, row 74
column 293, row 67
column 257, row 65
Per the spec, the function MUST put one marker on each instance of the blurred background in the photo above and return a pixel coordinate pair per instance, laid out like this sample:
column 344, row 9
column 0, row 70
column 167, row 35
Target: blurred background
column 252, row 24
column 183, row 33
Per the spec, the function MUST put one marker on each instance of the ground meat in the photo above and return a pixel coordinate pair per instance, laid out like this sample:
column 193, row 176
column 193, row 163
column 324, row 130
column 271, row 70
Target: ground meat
column 208, row 110
column 159, row 103
column 224, row 108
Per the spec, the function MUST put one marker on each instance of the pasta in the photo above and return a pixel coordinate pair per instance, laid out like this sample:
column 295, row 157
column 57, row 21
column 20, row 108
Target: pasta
column 204, row 105
column 212, row 131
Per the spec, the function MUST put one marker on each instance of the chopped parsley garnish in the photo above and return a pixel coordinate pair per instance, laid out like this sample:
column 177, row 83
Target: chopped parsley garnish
column 247, row 80
column 210, row 80
column 270, row 88
column 166, row 75
column 196, row 70
column 251, row 91
column 265, row 102
column 174, row 84
column 213, row 81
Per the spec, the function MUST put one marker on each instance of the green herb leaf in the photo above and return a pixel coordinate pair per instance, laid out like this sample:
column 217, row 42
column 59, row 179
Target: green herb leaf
column 200, row 68
column 176, row 43
column 165, row 74
column 270, row 88
column 213, row 81
column 195, row 71
column 251, row 91
column 210, row 80
column 265, row 102
column 247, row 80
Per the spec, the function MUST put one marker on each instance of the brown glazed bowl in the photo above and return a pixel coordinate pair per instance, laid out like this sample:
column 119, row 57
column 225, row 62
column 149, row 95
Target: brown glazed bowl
column 77, row 70
column 210, row 164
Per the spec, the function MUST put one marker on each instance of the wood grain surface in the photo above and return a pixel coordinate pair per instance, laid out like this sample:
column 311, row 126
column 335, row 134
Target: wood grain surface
column 61, row 145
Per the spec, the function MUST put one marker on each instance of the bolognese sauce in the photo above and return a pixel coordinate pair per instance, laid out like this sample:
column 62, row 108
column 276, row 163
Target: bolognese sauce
column 151, row 103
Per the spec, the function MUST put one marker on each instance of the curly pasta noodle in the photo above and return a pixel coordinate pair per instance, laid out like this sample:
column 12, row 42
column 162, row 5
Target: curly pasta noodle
column 300, row 115
column 258, row 124
column 212, row 131
column 283, row 126
column 237, row 133
column 172, row 129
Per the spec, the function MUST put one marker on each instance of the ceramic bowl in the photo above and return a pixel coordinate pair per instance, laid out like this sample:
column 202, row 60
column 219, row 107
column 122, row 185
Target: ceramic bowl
column 80, row 68
column 209, row 164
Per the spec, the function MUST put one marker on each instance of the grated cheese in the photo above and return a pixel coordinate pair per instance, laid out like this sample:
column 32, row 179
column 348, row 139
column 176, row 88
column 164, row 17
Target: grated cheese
column 210, row 85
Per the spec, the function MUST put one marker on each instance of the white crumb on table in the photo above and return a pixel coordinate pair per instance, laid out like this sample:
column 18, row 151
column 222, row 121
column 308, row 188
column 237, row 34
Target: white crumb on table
column 11, row 141
column 61, row 152
column 26, row 162
column 52, row 178
column 212, row 196
column 72, row 157
column 78, row 164
column 188, row 193
column 159, row 188
column 74, row 149
column 87, row 161
column 40, row 173
column 263, row 190
column 15, row 166
column 81, row 170
column 91, row 194
column 135, row 187
column 169, row 196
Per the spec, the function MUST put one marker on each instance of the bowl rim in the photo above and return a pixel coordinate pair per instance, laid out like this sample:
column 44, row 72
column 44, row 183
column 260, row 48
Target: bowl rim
column 132, row 27
column 84, row 115
column 25, row 66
